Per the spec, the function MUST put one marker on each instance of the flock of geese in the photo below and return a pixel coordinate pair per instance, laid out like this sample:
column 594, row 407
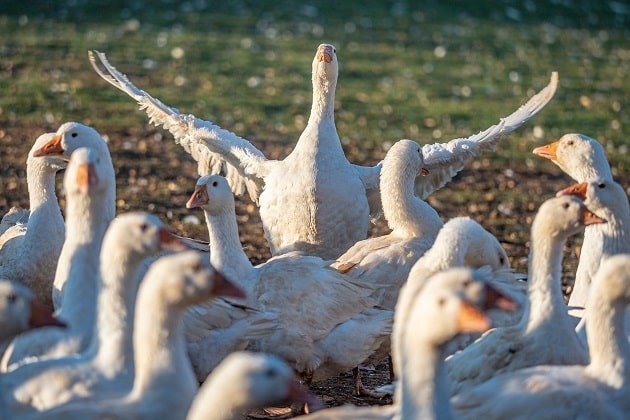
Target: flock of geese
column 141, row 319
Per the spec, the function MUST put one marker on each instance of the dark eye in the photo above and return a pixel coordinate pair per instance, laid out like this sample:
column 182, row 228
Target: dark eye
column 270, row 373
column 335, row 50
column 197, row 267
column 144, row 227
column 570, row 142
column 602, row 185
column 12, row 298
column 215, row 183
column 565, row 205
column 441, row 302
column 74, row 134
column 501, row 259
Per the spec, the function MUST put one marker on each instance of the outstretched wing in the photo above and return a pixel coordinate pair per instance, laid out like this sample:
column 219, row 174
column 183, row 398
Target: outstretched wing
column 445, row 160
column 216, row 150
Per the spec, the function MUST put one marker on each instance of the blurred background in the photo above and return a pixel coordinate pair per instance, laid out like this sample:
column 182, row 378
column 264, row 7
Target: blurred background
column 430, row 71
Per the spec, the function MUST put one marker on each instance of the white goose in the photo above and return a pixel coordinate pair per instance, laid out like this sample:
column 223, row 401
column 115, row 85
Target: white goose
column 246, row 380
column 324, row 194
column 545, row 333
column 579, row 156
column 608, row 200
column 598, row 390
column 20, row 311
column 69, row 137
column 87, row 183
column 29, row 251
column 444, row 308
column 164, row 382
column 107, row 363
column 310, row 335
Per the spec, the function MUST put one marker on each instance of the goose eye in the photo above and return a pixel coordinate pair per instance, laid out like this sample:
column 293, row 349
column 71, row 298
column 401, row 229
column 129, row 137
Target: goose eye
column 602, row 185
column 144, row 227
column 74, row 134
column 197, row 267
column 335, row 50
column 270, row 373
column 565, row 205
column 441, row 302
column 12, row 298
column 215, row 183
column 570, row 142
column 501, row 260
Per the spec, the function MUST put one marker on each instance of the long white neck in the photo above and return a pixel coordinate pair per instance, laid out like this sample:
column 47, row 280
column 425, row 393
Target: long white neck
column 161, row 359
column 226, row 251
column 406, row 214
column 77, row 271
column 112, row 345
column 546, row 304
column 607, row 341
column 45, row 220
column 600, row 240
column 424, row 389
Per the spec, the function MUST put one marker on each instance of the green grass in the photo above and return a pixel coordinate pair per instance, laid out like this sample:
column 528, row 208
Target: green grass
column 246, row 66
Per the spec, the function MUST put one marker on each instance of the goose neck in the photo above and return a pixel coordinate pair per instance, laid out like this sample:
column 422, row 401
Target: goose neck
column 546, row 304
column 323, row 107
column 41, row 183
column 607, row 342
column 226, row 251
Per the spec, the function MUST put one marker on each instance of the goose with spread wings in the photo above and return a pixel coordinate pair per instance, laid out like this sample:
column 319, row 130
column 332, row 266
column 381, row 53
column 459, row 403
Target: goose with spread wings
column 314, row 200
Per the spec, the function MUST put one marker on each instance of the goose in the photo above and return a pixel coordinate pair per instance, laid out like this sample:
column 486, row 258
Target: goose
column 461, row 242
column 608, row 200
column 29, row 249
column 20, row 311
column 164, row 383
column 578, row 155
column 335, row 310
column 69, row 137
column 107, row 363
column 329, row 199
column 384, row 262
column 87, row 184
column 246, row 380
column 598, row 390
column 545, row 334
column 446, row 306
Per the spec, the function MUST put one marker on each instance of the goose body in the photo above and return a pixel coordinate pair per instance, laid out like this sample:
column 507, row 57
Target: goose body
column 328, row 298
column 107, row 363
column 31, row 244
column 326, row 196
column 87, row 183
column 545, row 332
column 598, row 390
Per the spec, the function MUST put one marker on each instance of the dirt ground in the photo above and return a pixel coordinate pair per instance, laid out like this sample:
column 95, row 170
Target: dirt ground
column 154, row 174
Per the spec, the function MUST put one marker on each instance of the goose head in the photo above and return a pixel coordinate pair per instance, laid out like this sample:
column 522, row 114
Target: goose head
column 601, row 196
column 19, row 311
column 187, row 278
column 405, row 156
column 451, row 301
column 577, row 155
column 69, row 137
column 325, row 68
column 140, row 235
column 55, row 163
column 564, row 216
column 251, row 380
column 213, row 194
column 85, row 173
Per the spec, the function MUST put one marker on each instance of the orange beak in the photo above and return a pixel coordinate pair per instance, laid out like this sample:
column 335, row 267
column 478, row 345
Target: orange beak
column 590, row 218
column 42, row 316
column 578, row 190
column 547, row 151
column 325, row 53
column 198, row 198
column 86, row 177
column 471, row 319
column 52, row 148
column 223, row 287
column 171, row 242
